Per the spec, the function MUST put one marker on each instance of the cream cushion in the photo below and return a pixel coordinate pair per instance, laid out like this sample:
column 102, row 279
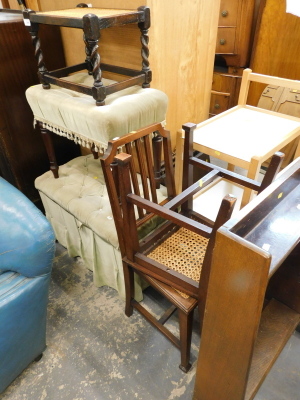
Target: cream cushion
column 76, row 116
column 78, row 208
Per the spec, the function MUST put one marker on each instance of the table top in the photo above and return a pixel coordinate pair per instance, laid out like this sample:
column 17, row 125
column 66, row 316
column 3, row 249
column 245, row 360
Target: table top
column 73, row 17
column 271, row 221
column 244, row 132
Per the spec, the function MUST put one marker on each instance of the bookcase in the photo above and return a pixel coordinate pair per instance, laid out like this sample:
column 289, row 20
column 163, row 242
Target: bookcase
column 253, row 302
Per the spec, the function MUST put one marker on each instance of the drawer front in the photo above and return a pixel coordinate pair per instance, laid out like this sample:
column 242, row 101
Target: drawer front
column 218, row 103
column 228, row 12
column 222, row 83
column 225, row 41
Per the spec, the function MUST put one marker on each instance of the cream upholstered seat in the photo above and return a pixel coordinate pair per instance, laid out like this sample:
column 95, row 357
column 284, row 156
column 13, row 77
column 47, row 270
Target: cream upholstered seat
column 77, row 203
column 76, row 116
column 78, row 207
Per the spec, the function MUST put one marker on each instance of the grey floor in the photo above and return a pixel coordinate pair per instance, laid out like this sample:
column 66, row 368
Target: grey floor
column 95, row 352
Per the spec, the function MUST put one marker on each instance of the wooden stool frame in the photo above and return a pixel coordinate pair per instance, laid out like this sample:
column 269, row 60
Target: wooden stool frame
column 91, row 25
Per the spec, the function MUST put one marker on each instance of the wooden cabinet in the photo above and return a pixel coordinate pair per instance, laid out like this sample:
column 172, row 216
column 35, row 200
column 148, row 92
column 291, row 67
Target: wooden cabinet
column 276, row 45
column 22, row 153
column 233, row 50
column 225, row 90
column 235, row 31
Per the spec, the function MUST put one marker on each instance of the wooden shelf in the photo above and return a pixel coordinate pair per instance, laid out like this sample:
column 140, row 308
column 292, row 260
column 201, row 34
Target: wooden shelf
column 277, row 324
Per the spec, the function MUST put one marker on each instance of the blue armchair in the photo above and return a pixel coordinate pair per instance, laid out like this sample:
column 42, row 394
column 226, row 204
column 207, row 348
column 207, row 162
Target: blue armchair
column 26, row 256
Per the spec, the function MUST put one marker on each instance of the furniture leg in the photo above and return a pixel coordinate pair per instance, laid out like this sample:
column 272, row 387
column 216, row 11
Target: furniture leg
column 230, row 167
column 129, row 288
column 179, row 161
column 47, row 139
column 297, row 152
column 91, row 30
column 157, row 148
column 33, row 30
column 185, row 328
column 144, row 27
column 38, row 358
column 94, row 152
column 187, row 167
column 253, row 172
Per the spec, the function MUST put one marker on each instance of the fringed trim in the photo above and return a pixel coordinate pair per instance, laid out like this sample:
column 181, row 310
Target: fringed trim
column 76, row 137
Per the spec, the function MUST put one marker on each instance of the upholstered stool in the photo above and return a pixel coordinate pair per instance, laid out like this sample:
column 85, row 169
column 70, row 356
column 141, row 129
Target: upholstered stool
column 76, row 203
column 78, row 208
column 76, row 116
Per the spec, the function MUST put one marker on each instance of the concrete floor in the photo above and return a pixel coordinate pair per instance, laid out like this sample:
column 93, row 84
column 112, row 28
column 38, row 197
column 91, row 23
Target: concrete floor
column 96, row 353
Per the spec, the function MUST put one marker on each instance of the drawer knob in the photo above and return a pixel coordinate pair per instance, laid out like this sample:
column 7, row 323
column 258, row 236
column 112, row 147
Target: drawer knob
column 222, row 41
column 224, row 13
column 217, row 106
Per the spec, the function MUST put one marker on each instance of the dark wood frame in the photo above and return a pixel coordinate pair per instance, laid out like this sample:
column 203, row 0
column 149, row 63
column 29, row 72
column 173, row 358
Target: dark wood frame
column 91, row 26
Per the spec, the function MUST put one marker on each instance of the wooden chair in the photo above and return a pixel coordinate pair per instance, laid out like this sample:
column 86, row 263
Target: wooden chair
column 246, row 136
column 174, row 256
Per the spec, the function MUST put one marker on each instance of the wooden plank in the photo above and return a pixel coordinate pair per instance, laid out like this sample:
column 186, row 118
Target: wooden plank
column 239, row 275
column 277, row 325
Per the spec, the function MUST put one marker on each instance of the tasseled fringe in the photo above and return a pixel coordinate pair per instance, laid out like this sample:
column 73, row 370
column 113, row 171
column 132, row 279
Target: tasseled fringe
column 77, row 138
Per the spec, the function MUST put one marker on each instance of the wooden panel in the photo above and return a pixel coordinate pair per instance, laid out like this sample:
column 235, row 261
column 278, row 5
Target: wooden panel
column 222, row 82
column 277, row 325
column 275, row 54
column 234, row 301
column 183, row 68
column 244, row 32
column 284, row 285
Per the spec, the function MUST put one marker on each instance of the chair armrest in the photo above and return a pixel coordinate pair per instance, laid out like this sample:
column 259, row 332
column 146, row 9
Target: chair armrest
column 27, row 239
column 170, row 215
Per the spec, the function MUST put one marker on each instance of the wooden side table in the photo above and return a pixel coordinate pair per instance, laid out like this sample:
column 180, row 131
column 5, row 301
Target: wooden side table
column 246, row 136
column 92, row 21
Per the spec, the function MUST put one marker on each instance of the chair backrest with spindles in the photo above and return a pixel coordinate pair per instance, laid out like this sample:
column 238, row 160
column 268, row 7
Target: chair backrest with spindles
column 147, row 146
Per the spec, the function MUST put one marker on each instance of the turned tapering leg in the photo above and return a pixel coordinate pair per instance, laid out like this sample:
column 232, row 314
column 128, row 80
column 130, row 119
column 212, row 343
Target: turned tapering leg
column 47, row 139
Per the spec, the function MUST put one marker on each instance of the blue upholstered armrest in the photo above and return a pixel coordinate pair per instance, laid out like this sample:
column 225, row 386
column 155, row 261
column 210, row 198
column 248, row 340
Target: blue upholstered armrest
column 26, row 237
